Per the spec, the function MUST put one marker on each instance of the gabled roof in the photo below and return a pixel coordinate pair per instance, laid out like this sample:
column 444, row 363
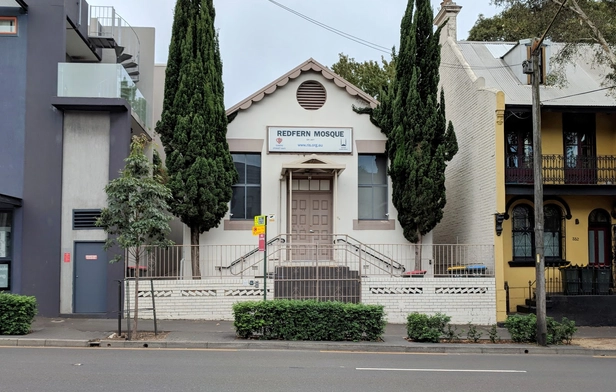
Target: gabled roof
column 584, row 87
column 312, row 163
column 308, row 65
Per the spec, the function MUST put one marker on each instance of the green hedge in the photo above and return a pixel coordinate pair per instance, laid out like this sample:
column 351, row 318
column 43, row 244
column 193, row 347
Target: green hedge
column 423, row 328
column 308, row 320
column 16, row 313
column 523, row 329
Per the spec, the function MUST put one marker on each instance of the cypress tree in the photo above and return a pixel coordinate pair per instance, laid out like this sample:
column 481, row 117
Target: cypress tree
column 193, row 123
column 420, row 142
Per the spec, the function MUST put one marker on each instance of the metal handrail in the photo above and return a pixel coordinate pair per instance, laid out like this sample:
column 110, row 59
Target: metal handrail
column 363, row 248
column 252, row 252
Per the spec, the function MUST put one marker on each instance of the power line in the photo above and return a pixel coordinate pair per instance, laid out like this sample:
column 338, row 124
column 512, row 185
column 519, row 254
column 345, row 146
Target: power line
column 334, row 30
column 368, row 43
column 582, row 93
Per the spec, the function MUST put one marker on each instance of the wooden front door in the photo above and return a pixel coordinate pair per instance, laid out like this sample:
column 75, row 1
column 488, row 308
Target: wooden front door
column 311, row 226
column 599, row 243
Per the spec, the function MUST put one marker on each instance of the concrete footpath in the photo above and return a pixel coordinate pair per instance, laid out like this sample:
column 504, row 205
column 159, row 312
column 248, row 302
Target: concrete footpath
column 189, row 334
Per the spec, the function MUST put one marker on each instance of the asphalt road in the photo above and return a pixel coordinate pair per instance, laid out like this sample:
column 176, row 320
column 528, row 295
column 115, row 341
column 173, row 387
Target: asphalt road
column 136, row 370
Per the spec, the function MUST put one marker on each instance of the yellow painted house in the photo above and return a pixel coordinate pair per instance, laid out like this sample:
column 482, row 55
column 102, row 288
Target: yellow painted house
column 490, row 181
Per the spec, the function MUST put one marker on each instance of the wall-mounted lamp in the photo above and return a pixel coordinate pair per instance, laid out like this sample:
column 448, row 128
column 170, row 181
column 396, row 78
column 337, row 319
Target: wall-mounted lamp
column 498, row 223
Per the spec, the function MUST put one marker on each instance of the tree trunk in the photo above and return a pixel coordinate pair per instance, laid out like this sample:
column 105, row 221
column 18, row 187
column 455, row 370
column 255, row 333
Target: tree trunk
column 418, row 254
column 194, row 252
column 136, row 312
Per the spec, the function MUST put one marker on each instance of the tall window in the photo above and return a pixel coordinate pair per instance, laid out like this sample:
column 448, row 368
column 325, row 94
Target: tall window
column 246, row 200
column 519, row 141
column 8, row 25
column 5, row 249
column 372, row 184
column 523, row 232
column 552, row 232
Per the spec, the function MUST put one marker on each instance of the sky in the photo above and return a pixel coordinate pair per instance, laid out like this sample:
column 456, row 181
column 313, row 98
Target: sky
column 260, row 41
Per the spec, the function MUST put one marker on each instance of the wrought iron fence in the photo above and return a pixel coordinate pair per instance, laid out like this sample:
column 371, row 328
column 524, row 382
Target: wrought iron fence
column 576, row 280
column 316, row 251
column 559, row 170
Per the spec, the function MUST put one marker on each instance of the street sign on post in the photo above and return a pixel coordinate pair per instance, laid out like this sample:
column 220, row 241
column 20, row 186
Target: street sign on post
column 260, row 220
column 262, row 242
column 258, row 230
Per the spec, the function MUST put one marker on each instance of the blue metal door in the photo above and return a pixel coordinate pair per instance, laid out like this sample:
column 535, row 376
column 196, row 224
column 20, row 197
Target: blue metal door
column 90, row 284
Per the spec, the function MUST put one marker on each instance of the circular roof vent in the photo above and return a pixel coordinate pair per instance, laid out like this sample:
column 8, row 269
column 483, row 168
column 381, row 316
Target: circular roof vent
column 311, row 95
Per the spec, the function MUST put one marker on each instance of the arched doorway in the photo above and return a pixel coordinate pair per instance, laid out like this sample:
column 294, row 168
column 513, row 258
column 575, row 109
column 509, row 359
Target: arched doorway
column 599, row 237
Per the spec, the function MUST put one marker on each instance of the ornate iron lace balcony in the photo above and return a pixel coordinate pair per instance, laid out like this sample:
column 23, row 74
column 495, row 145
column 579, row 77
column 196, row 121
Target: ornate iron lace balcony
column 561, row 170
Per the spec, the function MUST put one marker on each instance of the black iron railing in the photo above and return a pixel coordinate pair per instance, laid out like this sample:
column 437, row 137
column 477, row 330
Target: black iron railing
column 577, row 280
column 560, row 170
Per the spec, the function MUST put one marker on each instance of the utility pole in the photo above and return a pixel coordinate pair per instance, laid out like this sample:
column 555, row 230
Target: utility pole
column 534, row 68
column 538, row 187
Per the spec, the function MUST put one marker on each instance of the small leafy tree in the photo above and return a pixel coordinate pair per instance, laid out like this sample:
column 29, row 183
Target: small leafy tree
column 370, row 76
column 136, row 215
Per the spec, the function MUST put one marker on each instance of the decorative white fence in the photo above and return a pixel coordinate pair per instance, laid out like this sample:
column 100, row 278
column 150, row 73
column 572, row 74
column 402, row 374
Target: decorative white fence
column 246, row 261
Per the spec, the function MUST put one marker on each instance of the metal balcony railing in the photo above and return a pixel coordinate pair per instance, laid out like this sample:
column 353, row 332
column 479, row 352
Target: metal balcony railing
column 108, row 29
column 563, row 170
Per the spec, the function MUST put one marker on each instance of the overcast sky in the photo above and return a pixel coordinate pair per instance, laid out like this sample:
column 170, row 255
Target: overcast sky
column 260, row 41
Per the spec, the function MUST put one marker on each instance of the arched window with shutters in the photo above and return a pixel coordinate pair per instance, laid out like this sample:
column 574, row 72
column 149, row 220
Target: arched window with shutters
column 599, row 237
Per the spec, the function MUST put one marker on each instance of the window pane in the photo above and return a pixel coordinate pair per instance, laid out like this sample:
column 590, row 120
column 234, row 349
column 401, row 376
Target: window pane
column 551, row 243
column 366, row 166
column 240, row 165
column 601, row 246
column 7, row 25
column 379, row 194
column 253, row 201
column 5, row 234
column 522, row 245
column 591, row 247
column 238, row 202
column 380, row 175
column 253, row 169
column 365, row 202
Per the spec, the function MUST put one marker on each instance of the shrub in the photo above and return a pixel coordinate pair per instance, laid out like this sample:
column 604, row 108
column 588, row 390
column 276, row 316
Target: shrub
column 473, row 334
column 16, row 313
column 424, row 328
column 524, row 329
column 493, row 333
column 451, row 334
column 308, row 320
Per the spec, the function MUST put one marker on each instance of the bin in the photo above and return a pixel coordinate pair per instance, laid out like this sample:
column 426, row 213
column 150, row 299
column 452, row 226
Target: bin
column 571, row 280
column 457, row 271
column 476, row 270
column 603, row 279
column 587, row 277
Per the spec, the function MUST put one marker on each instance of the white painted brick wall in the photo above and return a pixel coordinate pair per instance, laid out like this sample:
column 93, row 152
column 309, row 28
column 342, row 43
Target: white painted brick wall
column 471, row 174
column 206, row 299
column 464, row 299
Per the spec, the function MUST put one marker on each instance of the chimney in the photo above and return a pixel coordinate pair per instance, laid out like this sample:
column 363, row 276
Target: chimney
column 449, row 12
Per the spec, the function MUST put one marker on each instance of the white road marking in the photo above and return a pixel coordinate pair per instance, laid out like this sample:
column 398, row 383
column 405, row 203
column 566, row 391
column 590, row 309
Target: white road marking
column 445, row 370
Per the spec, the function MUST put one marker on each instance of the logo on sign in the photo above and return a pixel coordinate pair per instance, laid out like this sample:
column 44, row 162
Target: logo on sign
column 279, row 140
